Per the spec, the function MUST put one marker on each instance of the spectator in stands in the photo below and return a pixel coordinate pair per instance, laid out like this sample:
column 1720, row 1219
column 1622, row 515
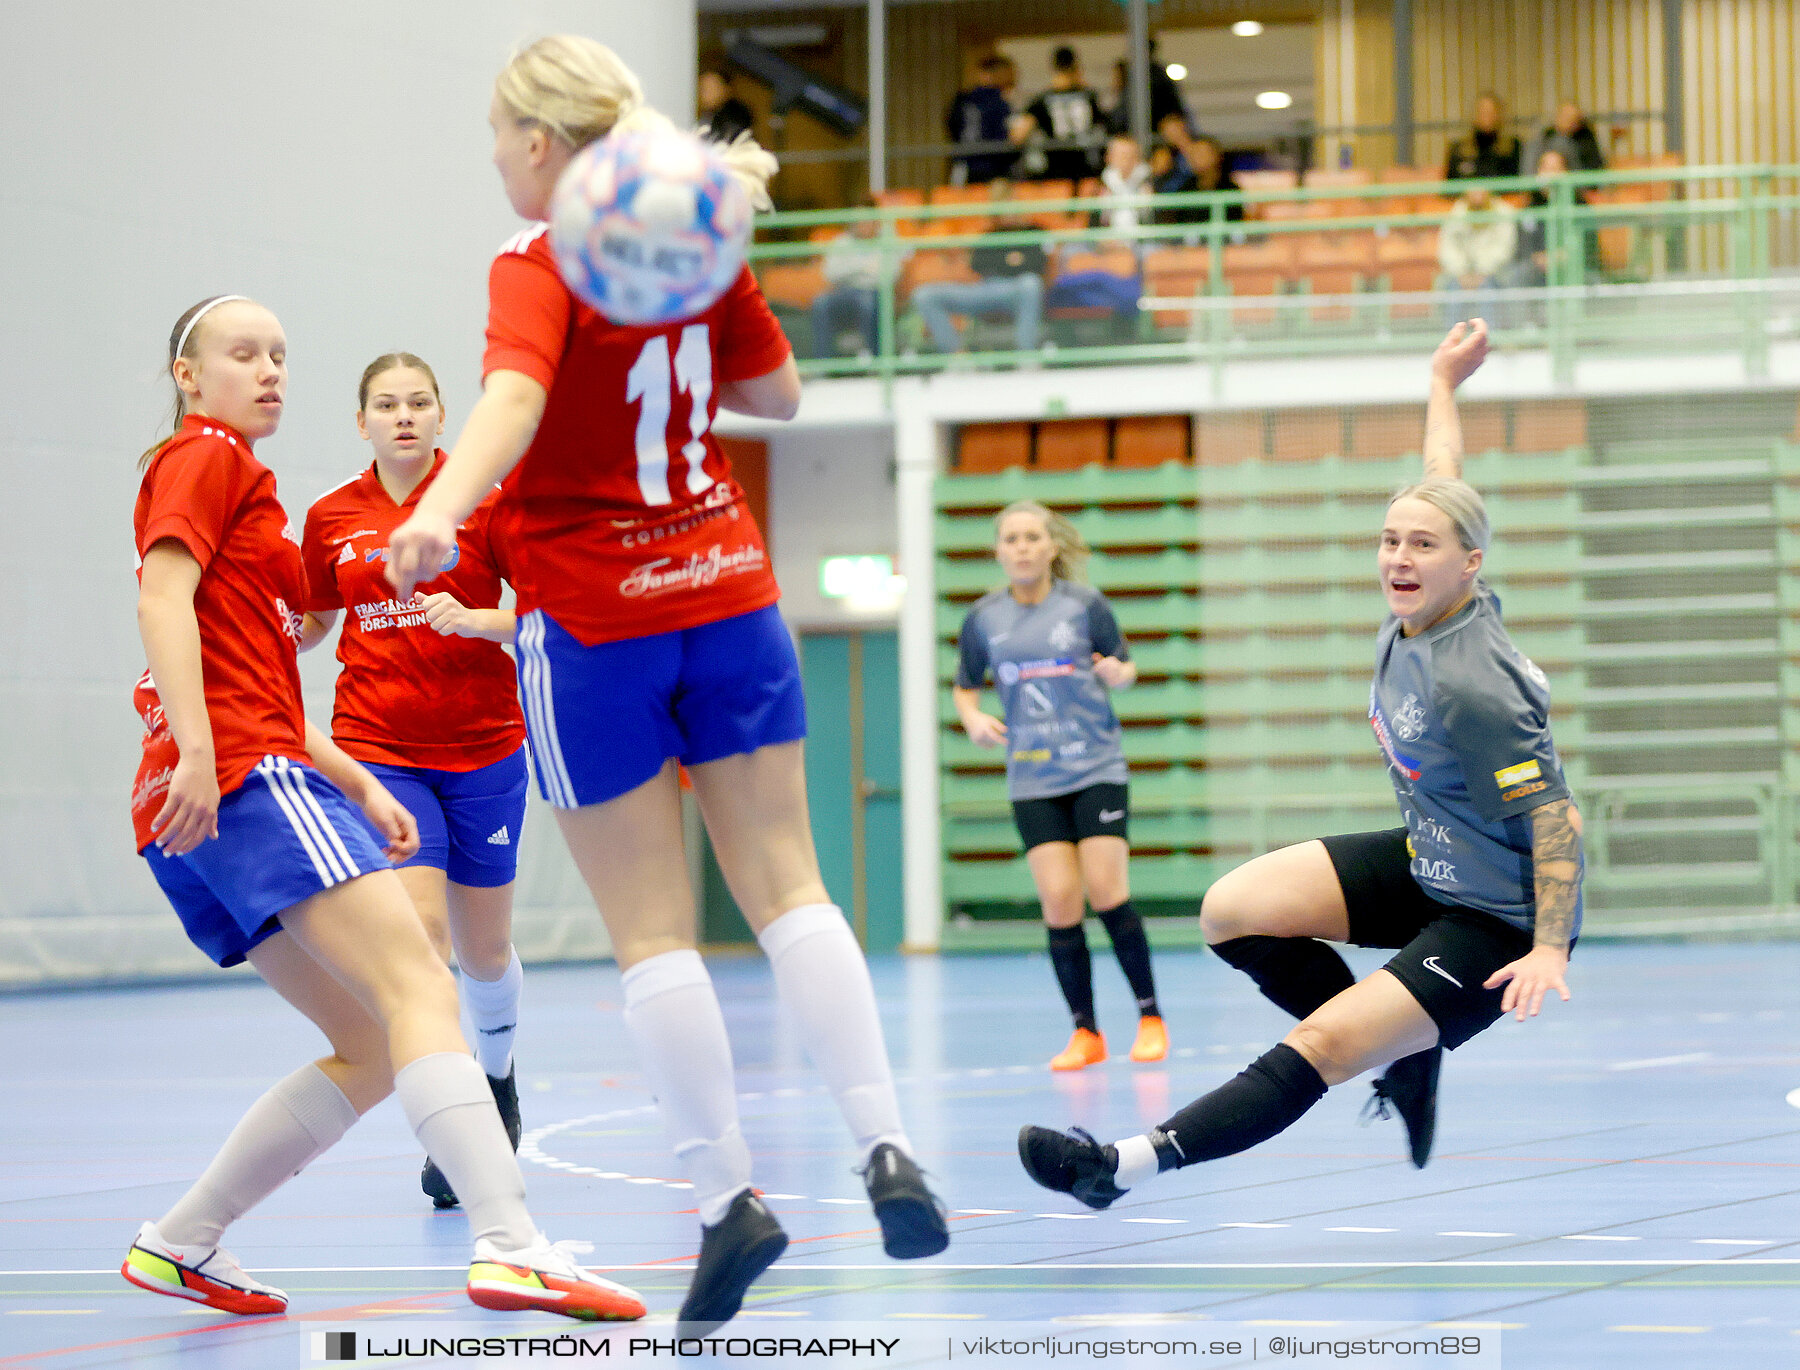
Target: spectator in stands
column 981, row 114
column 1532, row 259
column 1487, row 149
column 1571, row 136
column 1012, row 282
column 1125, row 174
column 1165, row 96
column 1067, row 126
column 722, row 115
column 1193, row 164
column 853, row 266
column 1476, row 244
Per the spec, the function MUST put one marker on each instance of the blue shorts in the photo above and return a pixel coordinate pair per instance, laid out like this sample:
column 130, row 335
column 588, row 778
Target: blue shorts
column 469, row 821
column 285, row 834
column 602, row 720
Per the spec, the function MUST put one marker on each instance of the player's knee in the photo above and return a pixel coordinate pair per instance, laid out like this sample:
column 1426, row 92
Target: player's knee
column 1221, row 913
column 1329, row 1050
column 1063, row 905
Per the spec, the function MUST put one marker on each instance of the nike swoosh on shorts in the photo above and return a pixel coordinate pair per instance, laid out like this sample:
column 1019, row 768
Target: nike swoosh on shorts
column 1431, row 964
column 1111, row 816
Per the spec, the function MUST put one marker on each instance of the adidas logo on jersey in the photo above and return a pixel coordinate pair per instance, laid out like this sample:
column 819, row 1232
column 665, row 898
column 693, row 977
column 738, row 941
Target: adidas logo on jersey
column 500, row 839
column 348, row 554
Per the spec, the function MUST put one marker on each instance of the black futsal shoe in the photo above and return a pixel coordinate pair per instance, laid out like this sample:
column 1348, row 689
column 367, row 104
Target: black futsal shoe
column 435, row 1183
column 733, row 1252
column 912, row 1220
column 506, row 1099
column 1071, row 1162
column 1411, row 1085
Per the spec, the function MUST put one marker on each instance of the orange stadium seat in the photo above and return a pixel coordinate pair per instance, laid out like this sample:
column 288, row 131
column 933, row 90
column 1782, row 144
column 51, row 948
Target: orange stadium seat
column 1335, row 264
column 982, row 448
column 1173, row 271
column 902, row 199
column 1226, row 439
column 1259, row 267
column 1066, row 444
column 1150, row 440
column 793, row 283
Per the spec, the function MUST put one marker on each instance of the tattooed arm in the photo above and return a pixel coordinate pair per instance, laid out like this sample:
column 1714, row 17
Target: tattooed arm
column 1556, row 867
column 1458, row 356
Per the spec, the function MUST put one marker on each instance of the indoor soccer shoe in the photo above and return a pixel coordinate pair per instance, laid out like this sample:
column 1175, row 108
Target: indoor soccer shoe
column 733, row 1252
column 546, row 1277
column 506, row 1099
column 912, row 1220
column 1071, row 1162
column 1152, row 1040
column 1085, row 1049
column 1410, row 1085
column 208, row 1275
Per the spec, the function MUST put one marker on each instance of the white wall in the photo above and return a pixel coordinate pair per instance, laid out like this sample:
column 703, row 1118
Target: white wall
column 332, row 160
column 831, row 493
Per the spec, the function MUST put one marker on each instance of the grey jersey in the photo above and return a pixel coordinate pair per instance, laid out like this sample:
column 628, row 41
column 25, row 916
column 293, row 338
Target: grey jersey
column 1464, row 719
column 1061, row 732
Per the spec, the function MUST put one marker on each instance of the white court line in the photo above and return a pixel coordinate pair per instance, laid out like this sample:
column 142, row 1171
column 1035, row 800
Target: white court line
column 1652, row 1062
column 802, row 1263
column 1740, row 1241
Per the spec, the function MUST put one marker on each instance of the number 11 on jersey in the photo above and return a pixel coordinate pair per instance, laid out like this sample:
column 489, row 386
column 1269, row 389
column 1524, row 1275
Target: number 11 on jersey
column 653, row 381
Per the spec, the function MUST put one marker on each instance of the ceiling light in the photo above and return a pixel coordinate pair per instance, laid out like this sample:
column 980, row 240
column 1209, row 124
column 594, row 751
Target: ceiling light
column 1246, row 28
column 1177, row 72
column 1274, row 99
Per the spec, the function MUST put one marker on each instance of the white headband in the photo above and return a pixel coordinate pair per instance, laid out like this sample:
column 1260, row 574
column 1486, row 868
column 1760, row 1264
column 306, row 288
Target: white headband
column 199, row 314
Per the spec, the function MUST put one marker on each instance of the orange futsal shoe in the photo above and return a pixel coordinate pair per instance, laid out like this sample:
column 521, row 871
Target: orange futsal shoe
column 1085, row 1049
column 1152, row 1040
column 207, row 1275
column 545, row 1278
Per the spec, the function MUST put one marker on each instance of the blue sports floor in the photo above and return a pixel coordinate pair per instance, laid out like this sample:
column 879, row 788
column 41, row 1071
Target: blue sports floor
column 1616, row 1184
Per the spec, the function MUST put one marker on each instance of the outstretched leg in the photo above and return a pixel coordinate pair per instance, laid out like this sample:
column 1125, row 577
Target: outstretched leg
column 1368, row 1025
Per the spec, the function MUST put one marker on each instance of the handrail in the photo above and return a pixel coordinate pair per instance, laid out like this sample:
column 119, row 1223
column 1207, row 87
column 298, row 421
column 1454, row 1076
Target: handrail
column 1739, row 202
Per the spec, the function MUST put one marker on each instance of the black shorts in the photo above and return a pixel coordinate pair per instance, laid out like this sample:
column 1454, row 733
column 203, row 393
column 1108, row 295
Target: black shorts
column 1098, row 811
column 1447, row 951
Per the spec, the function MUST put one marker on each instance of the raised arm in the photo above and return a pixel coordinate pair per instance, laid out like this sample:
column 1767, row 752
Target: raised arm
column 1457, row 358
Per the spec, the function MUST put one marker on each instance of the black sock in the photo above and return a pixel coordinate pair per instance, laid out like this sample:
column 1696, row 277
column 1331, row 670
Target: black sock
column 1074, row 972
column 1133, row 950
column 1266, row 1098
column 1297, row 974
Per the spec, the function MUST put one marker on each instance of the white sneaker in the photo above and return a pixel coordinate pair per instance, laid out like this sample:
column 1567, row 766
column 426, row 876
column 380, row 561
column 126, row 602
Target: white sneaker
column 546, row 1276
column 208, row 1275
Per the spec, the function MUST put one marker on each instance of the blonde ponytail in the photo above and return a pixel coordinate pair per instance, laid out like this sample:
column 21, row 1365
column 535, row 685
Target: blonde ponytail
column 580, row 90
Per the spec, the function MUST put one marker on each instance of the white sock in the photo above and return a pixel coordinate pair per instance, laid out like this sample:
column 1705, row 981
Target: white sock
column 296, row 1120
column 674, row 1019
column 451, row 1109
column 823, row 979
column 493, row 1009
column 1137, row 1161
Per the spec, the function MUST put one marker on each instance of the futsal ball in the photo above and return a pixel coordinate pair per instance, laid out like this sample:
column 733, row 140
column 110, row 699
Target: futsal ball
column 649, row 225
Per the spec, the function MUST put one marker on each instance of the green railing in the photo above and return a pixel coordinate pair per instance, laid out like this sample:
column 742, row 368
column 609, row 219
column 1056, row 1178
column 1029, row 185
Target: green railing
column 1697, row 272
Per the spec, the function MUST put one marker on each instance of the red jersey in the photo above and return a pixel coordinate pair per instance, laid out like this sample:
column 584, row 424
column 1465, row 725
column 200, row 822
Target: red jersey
column 408, row 696
column 615, row 539
column 205, row 490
